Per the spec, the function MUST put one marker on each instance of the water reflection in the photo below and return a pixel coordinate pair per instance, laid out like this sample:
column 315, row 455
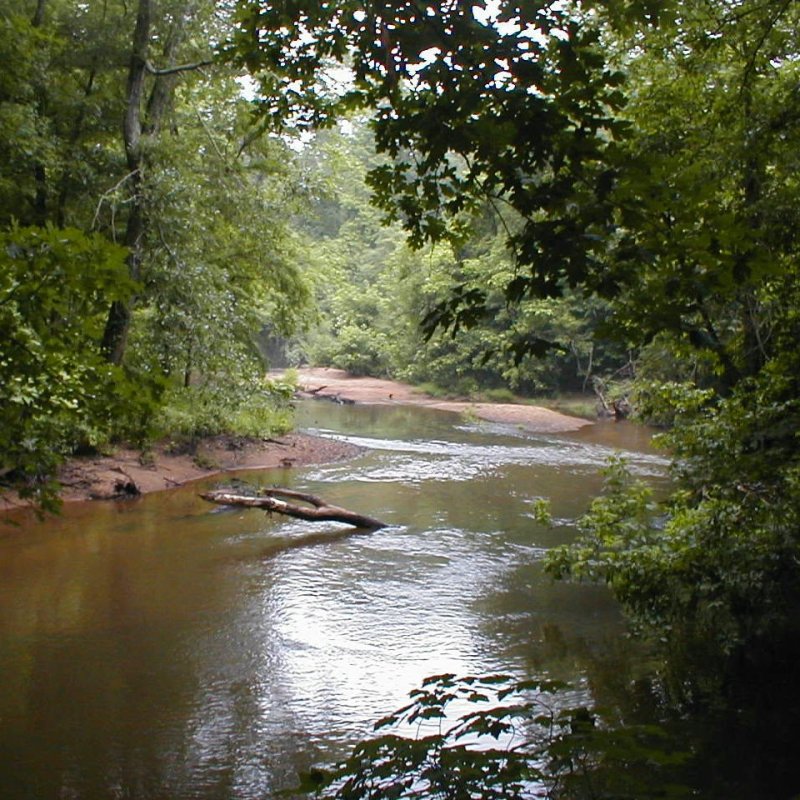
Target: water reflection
column 157, row 649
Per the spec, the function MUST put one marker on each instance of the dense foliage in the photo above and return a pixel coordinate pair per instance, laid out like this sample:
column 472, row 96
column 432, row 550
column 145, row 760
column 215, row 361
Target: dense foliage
column 471, row 107
column 55, row 290
column 713, row 224
column 647, row 155
column 373, row 290
column 144, row 232
column 639, row 154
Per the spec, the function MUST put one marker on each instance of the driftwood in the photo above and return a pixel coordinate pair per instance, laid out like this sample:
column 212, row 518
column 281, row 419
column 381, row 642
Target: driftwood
column 318, row 509
column 619, row 409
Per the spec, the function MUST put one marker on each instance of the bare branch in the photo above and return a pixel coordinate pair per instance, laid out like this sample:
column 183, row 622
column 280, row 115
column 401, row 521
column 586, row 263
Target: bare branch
column 320, row 510
column 107, row 194
column 179, row 68
column 210, row 137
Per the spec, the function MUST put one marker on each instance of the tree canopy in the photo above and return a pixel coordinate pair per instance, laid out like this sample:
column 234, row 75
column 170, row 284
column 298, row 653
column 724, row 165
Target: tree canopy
column 589, row 180
column 643, row 154
column 124, row 136
column 617, row 142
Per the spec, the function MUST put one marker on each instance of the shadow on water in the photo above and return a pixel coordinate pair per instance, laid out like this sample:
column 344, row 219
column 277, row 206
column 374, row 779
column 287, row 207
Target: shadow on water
column 275, row 546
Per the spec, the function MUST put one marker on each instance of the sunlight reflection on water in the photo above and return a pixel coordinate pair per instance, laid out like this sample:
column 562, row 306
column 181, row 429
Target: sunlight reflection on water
column 415, row 461
column 158, row 649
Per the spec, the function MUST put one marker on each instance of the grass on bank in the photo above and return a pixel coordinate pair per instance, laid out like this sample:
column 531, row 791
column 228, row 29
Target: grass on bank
column 260, row 411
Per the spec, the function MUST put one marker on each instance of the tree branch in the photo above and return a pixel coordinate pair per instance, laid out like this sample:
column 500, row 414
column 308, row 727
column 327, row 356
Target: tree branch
column 179, row 68
column 319, row 510
column 108, row 194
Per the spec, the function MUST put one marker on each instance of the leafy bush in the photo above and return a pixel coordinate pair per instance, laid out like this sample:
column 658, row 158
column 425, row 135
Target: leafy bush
column 257, row 408
column 718, row 564
column 56, row 389
column 496, row 737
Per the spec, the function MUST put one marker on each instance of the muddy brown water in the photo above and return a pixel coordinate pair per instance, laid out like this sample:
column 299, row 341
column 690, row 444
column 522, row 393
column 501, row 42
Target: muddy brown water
column 162, row 648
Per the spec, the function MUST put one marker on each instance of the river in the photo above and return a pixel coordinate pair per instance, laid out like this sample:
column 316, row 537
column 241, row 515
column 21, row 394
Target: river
column 163, row 648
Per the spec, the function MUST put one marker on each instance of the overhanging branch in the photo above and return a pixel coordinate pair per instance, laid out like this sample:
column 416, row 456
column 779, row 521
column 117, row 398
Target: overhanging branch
column 178, row 68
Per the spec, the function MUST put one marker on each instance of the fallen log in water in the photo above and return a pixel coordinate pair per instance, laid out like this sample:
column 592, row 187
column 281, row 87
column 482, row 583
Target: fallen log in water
column 318, row 509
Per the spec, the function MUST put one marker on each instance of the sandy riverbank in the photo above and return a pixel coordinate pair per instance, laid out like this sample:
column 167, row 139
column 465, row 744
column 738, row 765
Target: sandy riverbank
column 126, row 473
column 338, row 384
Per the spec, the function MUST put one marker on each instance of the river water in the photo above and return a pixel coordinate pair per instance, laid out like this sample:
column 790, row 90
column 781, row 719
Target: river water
column 163, row 648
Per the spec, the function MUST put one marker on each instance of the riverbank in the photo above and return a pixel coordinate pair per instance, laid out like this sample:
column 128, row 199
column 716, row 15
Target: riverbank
column 127, row 472
column 340, row 386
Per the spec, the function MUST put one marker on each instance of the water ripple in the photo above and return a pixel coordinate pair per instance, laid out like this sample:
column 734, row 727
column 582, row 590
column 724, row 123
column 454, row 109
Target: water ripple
column 416, row 461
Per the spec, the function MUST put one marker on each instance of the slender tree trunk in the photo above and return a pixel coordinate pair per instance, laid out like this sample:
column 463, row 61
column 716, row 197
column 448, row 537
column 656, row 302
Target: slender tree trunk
column 75, row 135
column 753, row 352
column 142, row 121
column 39, row 169
column 753, row 356
column 38, row 15
column 115, row 337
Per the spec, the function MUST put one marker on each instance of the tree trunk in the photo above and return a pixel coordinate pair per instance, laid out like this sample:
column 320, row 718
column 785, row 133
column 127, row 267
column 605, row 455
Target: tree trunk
column 40, row 200
column 318, row 510
column 134, row 129
column 115, row 336
column 38, row 15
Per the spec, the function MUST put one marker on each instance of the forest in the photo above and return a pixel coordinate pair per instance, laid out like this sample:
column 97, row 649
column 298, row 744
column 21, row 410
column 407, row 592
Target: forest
column 488, row 198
